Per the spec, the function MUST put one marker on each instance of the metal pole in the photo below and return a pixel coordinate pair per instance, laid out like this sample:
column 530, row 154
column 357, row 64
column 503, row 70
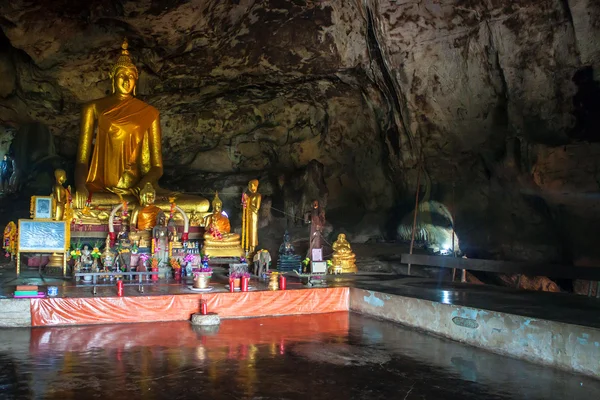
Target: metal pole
column 453, row 219
column 414, row 227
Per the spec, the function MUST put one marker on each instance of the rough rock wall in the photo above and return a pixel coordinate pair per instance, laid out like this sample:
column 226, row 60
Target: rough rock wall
column 486, row 97
column 479, row 93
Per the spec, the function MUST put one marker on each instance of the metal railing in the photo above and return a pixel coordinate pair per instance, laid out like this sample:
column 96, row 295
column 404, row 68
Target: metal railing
column 590, row 274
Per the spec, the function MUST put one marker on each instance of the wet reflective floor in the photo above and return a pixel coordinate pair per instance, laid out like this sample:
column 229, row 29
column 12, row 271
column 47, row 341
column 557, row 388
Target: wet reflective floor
column 326, row 356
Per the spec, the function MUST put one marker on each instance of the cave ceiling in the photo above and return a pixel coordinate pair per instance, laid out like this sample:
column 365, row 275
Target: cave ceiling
column 478, row 94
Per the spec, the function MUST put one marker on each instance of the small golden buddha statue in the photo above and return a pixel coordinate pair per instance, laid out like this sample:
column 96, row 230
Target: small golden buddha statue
column 121, row 135
column 218, row 239
column 145, row 217
column 343, row 257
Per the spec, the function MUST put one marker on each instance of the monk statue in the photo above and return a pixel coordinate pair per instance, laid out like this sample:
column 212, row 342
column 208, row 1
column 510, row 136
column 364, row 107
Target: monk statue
column 218, row 239
column 343, row 257
column 145, row 217
column 251, row 204
column 119, row 148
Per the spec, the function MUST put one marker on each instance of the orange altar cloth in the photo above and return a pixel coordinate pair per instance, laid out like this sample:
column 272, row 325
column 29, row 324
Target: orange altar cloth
column 180, row 307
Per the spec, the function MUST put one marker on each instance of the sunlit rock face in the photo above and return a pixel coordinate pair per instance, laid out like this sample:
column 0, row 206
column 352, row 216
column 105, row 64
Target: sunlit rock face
column 481, row 94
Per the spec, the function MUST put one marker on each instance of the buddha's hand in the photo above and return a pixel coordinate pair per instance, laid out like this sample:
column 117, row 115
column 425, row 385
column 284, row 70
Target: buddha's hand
column 81, row 196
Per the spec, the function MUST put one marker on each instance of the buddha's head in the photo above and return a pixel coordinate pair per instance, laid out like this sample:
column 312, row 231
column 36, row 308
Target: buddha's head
column 61, row 176
column 253, row 185
column 147, row 195
column 315, row 204
column 124, row 73
column 341, row 237
column 217, row 204
column 161, row 219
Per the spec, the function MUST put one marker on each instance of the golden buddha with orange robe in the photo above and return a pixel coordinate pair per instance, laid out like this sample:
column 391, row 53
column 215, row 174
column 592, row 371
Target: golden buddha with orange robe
column 218, row 239
column 121, row 135
column 145, row 218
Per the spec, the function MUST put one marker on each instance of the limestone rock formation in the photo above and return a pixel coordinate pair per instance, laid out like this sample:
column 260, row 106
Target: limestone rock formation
column 494, row 100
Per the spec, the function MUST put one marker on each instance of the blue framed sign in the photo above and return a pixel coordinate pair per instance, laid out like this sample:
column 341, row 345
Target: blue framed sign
column 42, row 236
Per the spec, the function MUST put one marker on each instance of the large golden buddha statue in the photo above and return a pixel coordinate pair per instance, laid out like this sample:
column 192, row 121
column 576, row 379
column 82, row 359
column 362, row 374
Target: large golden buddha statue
column 218, row 239
column 121, row 135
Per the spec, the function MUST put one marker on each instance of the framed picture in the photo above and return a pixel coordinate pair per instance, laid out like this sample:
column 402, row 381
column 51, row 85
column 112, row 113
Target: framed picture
column 41, row 207
column 317, row 254
column 318, row 267
column 42, row 236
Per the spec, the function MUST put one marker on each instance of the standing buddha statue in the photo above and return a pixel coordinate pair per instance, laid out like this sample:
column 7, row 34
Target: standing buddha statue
column 61, row 195
column 251, row 205
column 119, row 149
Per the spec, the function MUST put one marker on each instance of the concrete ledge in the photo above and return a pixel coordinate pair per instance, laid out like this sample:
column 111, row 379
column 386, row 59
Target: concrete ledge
column 15, row 313
column 569, row 347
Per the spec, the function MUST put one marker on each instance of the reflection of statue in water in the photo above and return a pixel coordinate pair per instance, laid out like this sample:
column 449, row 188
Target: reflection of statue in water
column 122, row 137
column 343, row 257
column 218, row 240
column 288, row 259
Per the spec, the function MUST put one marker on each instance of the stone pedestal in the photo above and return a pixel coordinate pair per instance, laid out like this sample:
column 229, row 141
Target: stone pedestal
column 205, row 320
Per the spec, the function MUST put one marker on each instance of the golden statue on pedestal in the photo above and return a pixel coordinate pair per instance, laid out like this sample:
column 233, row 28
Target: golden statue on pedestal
column 122, row 137
column 251, row 205
column 343, row 257
column 218, row 239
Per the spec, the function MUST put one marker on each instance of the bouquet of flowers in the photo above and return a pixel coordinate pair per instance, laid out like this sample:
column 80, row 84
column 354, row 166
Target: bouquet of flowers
column 174, row 263
column 154, row 261
column 189, row 258
column 144, row 257
column 75, row 250
column 96, row 250
column 239, row 275
column 214, row 231
column 203, row 270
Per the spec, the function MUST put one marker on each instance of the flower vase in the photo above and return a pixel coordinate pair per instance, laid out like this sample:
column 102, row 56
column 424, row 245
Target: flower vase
column 201, row 280
column 177, row 274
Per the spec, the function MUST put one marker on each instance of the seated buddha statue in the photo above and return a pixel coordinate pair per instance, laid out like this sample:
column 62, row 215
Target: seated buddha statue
column 288, row 259
column 343, row 258
column 218, row 239
column 119, row 149
column 144, row 218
